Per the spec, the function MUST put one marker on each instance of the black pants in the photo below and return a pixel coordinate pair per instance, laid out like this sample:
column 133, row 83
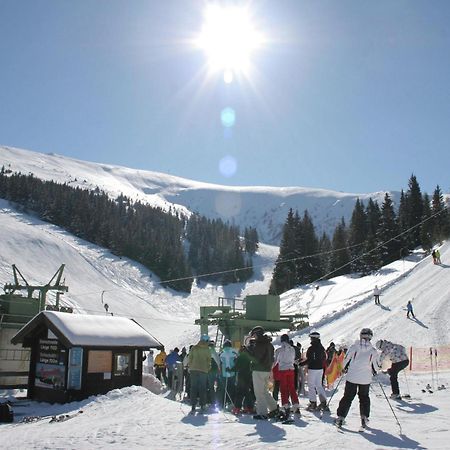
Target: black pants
column 199, row 383
column 393, row 374
column 349, row 395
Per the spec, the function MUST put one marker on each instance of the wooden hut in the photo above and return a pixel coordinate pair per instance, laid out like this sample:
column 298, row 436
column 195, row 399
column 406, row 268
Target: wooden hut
column 74, row 356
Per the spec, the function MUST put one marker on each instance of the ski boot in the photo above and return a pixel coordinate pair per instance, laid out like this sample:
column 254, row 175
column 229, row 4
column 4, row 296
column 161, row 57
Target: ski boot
column 296, row 410
column 274, row 413
column 236, row 411
column 364, row 422
column 323, row 406
column 339, row 421
column 312, row 406
column 396, row 396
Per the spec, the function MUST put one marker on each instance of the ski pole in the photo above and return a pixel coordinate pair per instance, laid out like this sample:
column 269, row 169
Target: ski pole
column 407, row 384
column 225, row 393
column 390, row 406
column 436, row 366
column 335, row 390
column 432, row 370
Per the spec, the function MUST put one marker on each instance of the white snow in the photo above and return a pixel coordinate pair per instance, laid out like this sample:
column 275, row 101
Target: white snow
column 136, row 418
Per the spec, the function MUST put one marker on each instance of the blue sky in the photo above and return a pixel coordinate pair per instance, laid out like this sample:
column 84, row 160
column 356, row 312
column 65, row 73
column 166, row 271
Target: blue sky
column 349, row 95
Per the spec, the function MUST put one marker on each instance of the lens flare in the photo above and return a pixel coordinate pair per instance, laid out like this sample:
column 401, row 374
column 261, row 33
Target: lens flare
column 228, row 166
column 228, row 117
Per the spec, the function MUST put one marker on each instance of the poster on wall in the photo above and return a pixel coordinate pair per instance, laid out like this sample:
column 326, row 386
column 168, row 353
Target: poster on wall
column 75, row 368
column 50, row 376
column 50, row 368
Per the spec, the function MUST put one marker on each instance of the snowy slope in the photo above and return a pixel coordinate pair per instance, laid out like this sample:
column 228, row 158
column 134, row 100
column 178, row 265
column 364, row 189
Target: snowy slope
column 263, row 207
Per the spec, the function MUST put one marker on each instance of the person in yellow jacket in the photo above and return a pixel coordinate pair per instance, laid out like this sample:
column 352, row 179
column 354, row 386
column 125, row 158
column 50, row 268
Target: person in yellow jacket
column 199, row 366
column 160, row 366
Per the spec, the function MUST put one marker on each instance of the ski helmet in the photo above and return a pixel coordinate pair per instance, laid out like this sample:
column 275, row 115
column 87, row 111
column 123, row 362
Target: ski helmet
column 257, row 331
column 204, row 338
column 366, row 333
column 227, row 343
column 284, row 338
column 314, row 335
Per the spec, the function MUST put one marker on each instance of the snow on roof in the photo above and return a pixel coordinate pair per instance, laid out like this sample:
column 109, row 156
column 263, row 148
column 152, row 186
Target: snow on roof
column 94, row 330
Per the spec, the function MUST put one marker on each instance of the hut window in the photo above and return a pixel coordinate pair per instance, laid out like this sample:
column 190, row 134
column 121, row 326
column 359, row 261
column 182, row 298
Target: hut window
column 122, row 364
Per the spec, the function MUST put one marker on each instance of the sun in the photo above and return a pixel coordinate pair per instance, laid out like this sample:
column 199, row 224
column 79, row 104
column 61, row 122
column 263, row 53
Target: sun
column 229, row 39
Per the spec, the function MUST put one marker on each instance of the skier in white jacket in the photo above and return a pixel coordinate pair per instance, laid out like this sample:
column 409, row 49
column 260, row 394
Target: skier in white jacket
column 361, row 363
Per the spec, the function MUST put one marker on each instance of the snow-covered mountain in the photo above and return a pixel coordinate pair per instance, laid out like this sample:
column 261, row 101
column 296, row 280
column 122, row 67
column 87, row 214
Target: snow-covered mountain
column 265, row 208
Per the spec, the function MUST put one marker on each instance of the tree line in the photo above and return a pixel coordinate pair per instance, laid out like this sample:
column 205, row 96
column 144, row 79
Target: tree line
column 174, row 247
column 375, row 236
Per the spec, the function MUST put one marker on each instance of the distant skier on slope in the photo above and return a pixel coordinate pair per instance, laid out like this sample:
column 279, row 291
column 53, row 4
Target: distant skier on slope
column 409, row 309
column 376, row 295
column 361, row 363
column 438, row 256
column 395, row 353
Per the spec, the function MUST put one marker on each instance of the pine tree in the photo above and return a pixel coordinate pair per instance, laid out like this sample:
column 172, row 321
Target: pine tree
column 357, row 235
column 388, row 232
column 340, row 260
column 427, row 225
column 285, row 271
column 441, row 217
column 415, row 212
column 308, row 265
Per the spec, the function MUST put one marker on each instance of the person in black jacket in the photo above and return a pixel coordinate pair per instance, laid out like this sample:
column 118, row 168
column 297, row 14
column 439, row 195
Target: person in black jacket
column 316, row 360
column 262, row 353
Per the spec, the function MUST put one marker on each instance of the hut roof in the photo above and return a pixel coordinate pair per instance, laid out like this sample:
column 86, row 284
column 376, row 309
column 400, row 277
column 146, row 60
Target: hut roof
column 89, row 330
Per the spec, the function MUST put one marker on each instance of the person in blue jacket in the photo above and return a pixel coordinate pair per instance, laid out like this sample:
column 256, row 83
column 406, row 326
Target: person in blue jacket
column 171, row 360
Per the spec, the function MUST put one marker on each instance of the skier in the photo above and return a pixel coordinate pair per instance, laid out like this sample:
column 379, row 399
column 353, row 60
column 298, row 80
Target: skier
column 361, row 363
column 433, row 255
column 227, row 382
column 262, row 353
column 438, row 256
column 244, row 387
column 160, row 366
column 395, row 353
column 150, row 363
column 199, row 366
column 285, row 357
column 409, row 308
column 171, row 360
column 213, row 375
column 315, row 360
column 376, row 295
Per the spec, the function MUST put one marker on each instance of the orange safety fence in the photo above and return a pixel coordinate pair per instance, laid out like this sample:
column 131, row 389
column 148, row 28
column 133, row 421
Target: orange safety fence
column 421, row 359
column 429, row 359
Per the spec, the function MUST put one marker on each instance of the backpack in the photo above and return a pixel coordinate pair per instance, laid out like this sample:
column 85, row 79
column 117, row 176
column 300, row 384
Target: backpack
column 6, row 413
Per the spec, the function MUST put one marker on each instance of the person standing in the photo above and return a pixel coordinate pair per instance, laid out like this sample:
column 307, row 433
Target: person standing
column 262, row 352
column 438, row 256
column 150, row 363
column 199, row 366
column 376, row 295
column 316, row 360
column 396, row 354
column 285, row 358
column 244, row 386
column 227, row 382
column 160, row 366
column 409, row 309
column 433, row 255
column 171, row 361
column 361, row 363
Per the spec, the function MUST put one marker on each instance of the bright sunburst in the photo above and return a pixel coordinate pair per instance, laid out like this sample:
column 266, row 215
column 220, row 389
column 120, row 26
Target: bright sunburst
column 228, row 38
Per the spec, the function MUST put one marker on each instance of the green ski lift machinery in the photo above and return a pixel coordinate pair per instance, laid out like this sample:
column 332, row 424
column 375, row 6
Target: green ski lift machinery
column 16, row 310
column 235, row 318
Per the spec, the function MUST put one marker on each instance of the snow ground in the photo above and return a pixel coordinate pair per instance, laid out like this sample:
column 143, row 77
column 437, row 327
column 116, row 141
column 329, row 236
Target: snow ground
column 135, row 418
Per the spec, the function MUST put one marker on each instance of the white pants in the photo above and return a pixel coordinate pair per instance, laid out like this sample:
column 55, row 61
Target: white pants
column 315, row 386
column 264, row 400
